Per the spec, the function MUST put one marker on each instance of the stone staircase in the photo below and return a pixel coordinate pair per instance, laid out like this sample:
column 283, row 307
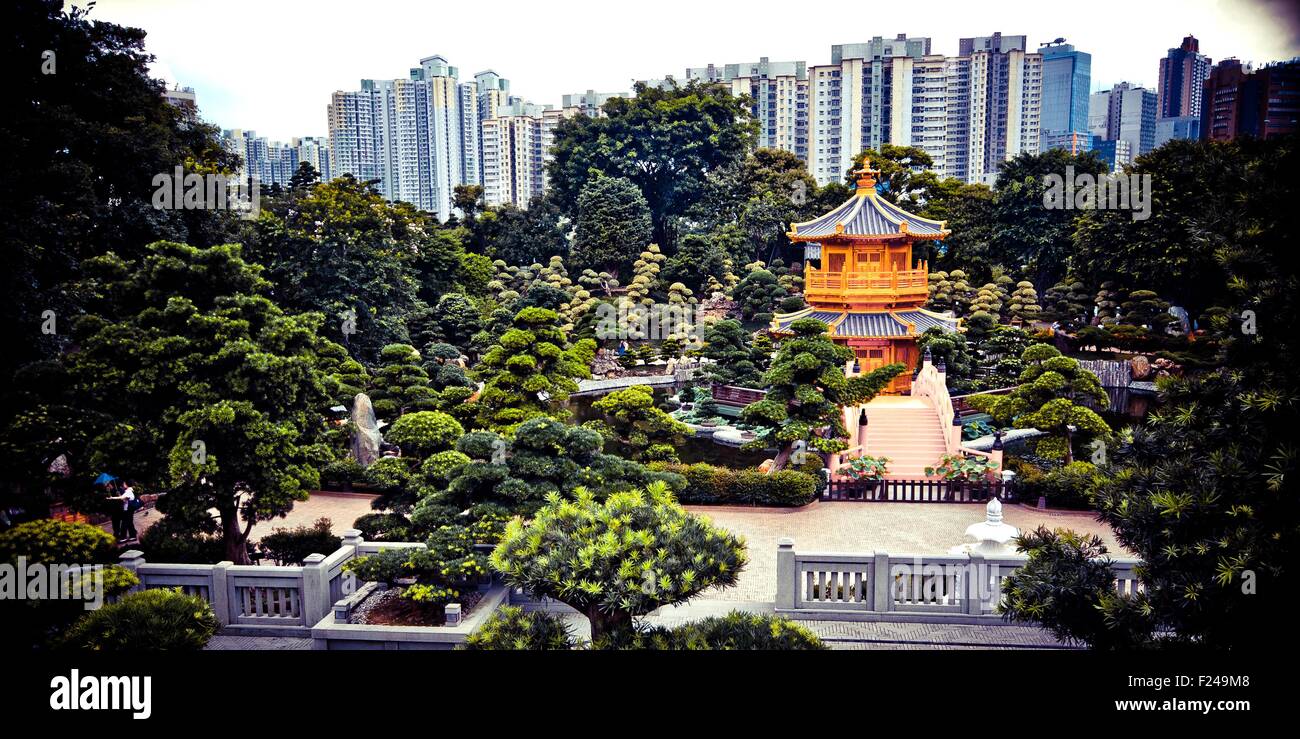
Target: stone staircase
column 907, row 431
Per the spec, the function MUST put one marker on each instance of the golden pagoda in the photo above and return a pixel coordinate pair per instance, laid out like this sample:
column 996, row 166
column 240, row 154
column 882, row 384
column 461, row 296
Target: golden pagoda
column 868, row 290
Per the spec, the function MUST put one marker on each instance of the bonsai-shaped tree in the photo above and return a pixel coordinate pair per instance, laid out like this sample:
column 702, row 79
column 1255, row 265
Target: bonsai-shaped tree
column 618, row 560
column 452, row 388
column 953, row 349
column 730, row 347
column 1069, row 304
column 400, row 384
column 424, row 432
column 806, row 388
column 757, row 294
column 1023, row 304
column 1049, row 398
column 491, row 474
column 530, row 372
column 632, row 418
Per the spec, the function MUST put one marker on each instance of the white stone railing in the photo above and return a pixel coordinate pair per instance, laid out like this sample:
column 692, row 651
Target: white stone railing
column 265, row 599
column 932, row 385
column 961, row 588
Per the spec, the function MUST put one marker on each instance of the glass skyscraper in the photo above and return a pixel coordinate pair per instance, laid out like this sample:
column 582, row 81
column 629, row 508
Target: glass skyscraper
column 1067, row 74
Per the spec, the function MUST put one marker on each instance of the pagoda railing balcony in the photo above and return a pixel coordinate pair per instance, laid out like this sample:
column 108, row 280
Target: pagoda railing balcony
column 847, row 286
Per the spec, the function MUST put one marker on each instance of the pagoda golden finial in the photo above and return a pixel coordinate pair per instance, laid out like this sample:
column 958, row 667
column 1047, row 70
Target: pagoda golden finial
column 867, row 177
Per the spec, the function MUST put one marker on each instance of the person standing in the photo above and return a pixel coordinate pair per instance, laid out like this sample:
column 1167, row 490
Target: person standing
column 124, row 520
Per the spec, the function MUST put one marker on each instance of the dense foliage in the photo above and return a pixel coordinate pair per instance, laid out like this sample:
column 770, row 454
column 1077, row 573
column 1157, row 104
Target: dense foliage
column 620, row 559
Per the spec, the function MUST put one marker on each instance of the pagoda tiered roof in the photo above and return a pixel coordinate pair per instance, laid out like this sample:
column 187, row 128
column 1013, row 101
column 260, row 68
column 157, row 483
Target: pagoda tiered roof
column 867, row 324
column 867, row 216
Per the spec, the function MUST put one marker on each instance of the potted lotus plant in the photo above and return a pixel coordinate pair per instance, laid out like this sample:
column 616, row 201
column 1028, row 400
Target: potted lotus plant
column 959, row 470
column 868, row 470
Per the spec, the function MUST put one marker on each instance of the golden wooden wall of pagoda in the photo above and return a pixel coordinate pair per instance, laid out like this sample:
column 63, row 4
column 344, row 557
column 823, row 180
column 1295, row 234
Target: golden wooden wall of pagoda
column 867, row 276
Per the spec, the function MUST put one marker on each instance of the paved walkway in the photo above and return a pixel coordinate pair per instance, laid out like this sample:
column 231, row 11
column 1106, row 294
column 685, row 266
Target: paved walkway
column 340, row 508
column 222, row 643
column 897, row 528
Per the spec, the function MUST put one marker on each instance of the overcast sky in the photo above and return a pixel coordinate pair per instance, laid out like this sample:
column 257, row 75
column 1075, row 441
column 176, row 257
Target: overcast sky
column 270, row 65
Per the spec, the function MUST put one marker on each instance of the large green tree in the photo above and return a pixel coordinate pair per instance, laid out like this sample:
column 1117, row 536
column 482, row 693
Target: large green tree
column 613, row 226
column 665, row 140
column 193, row 381
column 85, row 132
column 342, row 251
column 1199, row 190
column 531, row 370
column 1027, row 233
column 620, row 559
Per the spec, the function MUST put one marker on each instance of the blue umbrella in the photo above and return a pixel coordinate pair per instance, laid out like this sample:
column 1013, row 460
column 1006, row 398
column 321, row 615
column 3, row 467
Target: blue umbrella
column 104, row 478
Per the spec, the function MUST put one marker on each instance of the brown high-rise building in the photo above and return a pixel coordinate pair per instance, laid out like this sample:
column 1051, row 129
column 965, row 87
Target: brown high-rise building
column 1182, row 74
column 1239, row 101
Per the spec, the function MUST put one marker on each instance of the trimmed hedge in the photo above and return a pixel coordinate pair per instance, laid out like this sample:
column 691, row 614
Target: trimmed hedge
column 708, row 484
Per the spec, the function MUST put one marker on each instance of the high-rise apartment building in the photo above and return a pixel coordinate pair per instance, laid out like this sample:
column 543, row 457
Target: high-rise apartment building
column 779, row 98
column 420, row 136
column 273, row 162
column 516, row 146
column 1178, row 127
column 1183, row 72
column 1239, row 101
column 969, row 112
column 1067, row 77
column 1114, row 152
column 1125, row 112
column 315, row 150
column 589, row 103
column 999, row 106
column 862, row 99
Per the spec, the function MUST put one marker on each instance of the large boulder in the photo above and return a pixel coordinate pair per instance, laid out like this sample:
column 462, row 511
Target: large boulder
column 366, row 439
column 1140, row 366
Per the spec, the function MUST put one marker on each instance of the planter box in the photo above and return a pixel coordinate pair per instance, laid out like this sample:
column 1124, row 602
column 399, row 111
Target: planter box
column 327, row 634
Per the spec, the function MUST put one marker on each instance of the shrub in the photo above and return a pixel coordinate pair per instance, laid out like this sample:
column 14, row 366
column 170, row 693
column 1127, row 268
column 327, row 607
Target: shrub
column 707, row 484
column 1064, row 487
column 792, row 304
column 961, row 467
column 438, row 467
column 383, row 527
column 291, row 546
column 165, row 543
column 343, row 471
column 620, row 559
column 735, row 631
column 511, row 628
column 1060, row 586
column 56, row 542
column 424, row 432
column 151, row 620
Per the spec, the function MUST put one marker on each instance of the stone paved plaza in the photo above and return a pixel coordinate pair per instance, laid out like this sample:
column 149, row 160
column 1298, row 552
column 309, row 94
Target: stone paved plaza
column 897, row 528
column 340, row 508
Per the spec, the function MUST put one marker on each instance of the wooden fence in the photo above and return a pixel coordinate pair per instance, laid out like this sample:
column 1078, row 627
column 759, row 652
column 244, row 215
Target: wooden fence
column 918, row 491
column 737, row 396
